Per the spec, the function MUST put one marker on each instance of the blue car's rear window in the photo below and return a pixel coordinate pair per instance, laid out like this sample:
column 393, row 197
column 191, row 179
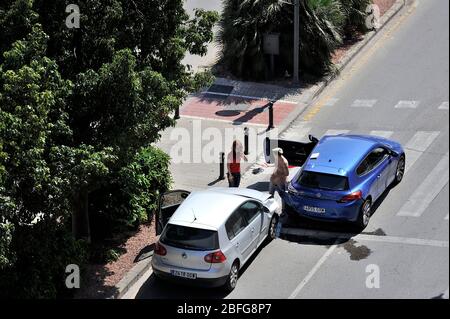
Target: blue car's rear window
column 323, row 181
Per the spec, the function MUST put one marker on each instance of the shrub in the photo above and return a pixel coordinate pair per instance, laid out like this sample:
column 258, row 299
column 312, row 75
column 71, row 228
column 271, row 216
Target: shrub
column 41, row 254
column 131, row 196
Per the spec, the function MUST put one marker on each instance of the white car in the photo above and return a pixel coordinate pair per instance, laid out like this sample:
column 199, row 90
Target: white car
column 207, row 236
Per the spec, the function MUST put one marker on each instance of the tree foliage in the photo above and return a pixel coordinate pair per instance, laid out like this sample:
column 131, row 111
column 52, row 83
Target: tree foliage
column 323, row 23
column 79, row 111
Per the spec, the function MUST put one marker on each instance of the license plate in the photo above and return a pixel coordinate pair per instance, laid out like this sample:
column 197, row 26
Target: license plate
column 183, row 274
column 317, row 210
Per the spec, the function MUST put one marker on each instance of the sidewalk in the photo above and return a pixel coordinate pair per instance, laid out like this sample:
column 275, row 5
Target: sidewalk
column 212, row 119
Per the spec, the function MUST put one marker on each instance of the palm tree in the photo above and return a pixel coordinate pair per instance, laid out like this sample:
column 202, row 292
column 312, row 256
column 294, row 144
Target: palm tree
column 245, row 22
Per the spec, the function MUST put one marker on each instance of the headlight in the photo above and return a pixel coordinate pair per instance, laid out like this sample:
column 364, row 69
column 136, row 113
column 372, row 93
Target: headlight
column 291, row 189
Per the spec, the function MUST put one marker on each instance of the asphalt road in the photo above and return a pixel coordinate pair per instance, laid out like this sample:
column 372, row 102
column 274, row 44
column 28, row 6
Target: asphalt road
column 398, row 87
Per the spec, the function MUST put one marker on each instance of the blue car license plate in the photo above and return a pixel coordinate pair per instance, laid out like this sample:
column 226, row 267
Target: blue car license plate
column 316, row 210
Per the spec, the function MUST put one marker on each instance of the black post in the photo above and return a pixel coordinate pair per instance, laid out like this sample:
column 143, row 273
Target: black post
column 222, row 166
column 177, row 113
column 271, row 126
column 246, row 141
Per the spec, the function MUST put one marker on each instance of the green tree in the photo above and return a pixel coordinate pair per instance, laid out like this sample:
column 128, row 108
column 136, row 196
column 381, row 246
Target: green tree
column 79, row 111
column 323, row 23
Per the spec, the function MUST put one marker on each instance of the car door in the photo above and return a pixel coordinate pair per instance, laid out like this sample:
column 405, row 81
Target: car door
column 167, row 205
column 254, row 214
column 295, row 152
column 239, row 234
column 378, row 167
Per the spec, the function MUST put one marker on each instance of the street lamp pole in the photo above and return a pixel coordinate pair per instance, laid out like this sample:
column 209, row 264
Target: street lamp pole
column 296, row 39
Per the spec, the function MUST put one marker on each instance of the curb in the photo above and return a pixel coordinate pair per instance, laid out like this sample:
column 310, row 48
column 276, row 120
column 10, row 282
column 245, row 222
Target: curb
column 388, row 16
column 132, row 277
column 144, row 265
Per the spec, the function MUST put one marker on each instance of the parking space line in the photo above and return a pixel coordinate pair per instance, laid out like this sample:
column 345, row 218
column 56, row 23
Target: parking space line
column 407, row 105
column 427, row 190
column 364, row 237
column 336, row 132
column 417, row 145
column 364, row 103
column 444, row 106
column 385, row 134
column 331, row 102
column 316, row 267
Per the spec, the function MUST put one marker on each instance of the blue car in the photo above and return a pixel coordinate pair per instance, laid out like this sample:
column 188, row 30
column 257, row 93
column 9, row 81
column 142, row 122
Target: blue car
column 341, row 176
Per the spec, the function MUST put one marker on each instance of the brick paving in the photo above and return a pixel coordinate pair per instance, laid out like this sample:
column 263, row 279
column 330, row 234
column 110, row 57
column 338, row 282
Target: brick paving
column 236, row 110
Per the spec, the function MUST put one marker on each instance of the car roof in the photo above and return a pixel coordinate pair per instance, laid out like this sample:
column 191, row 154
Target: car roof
column 339, row 154
column 207, row 209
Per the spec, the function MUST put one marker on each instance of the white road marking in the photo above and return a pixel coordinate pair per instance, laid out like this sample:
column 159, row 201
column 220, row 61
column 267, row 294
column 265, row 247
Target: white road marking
column 417, row 145
column 428, row 190
column 365, row 237
column 407, row 105
column 445, row 296
column 331, row 102
column 444, row 106
column 446, row 217
column 385, row 134
column 336, row 132
column 364, row 103
column 312, row 272
column 247, row 97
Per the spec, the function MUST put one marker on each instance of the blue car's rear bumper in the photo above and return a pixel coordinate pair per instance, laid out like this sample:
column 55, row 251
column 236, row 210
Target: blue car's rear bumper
column 334, row 211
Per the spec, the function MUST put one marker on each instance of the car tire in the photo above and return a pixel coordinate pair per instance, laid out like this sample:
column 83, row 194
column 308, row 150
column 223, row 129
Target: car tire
column 364, row 215
column 272, row 232
column 400, row 171
column 233, row 277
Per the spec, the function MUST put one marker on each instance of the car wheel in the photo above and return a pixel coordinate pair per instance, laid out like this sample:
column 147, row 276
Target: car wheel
column 400, row 172
column 273, row 228
column 364, row 214
column 232, row 277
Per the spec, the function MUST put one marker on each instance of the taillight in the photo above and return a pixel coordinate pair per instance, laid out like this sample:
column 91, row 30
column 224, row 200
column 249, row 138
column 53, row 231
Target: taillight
column 351, row 197
column 160, row 249
column 215, row 258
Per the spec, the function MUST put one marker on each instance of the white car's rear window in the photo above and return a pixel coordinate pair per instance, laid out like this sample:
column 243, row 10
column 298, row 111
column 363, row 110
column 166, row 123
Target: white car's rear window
column 190, row 237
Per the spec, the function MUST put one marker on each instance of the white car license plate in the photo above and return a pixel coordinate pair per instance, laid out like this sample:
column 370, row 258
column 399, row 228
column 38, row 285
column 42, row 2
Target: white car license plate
column 317, row 210
column 183, row 274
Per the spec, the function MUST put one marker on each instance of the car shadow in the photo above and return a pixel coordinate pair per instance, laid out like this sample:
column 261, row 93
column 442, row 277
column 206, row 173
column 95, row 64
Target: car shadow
column 155, row 288
column 314, row 232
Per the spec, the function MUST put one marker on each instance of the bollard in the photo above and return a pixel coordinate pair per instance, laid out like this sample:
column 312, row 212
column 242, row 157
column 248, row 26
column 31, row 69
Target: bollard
column 246, row 141
column 177, row 113
column 222, row 166
column 271, row 126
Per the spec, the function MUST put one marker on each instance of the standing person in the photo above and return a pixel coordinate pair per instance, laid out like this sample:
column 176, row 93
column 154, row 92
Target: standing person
column 234, row 164
column 278, row 180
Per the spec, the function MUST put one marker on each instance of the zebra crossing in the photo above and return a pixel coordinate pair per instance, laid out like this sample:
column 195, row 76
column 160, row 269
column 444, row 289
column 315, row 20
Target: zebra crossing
column 372, row 103
column 416, row 145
